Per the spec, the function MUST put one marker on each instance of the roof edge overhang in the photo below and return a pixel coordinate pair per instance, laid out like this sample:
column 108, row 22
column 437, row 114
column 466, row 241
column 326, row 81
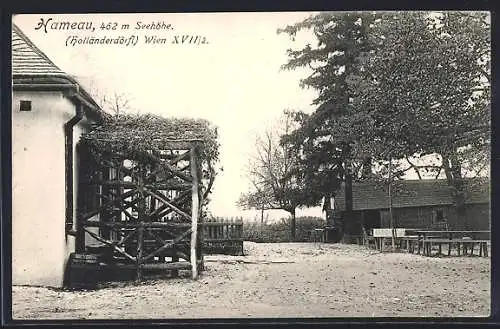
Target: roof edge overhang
column 416, row 206
column 59, row 82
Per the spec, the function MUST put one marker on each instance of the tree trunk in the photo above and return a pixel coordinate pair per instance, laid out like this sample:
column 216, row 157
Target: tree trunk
column 348, row 190
column 452, row 169
column 348, row 214
column 293, row 224
column 391, row 217
column 261, row 220
column 367, row 167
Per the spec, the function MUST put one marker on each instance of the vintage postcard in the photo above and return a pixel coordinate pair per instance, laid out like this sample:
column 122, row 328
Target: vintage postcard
column 251, row 165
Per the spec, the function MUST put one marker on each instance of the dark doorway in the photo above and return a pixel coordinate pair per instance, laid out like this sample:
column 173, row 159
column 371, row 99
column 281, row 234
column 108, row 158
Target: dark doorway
column 371, row 219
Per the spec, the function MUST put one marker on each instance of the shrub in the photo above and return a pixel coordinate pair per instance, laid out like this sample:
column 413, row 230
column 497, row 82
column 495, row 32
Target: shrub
column 280, row 230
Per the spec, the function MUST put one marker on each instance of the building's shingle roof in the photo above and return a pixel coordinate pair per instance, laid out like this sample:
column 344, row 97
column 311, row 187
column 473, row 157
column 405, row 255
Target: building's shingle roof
column 30, row 66
column 28, row 59
column 411, row 193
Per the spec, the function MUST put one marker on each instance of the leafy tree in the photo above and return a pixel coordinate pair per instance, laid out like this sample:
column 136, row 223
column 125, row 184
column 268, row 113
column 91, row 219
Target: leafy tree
column 426, row 90
column 329, row 140
column 397, row 86
column 273, row 173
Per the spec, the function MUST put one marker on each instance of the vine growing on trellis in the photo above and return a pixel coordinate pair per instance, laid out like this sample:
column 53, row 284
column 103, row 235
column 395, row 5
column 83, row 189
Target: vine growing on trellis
column 142, row 139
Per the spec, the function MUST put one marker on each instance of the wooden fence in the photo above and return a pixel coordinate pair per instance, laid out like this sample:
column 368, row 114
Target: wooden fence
column 223, row 236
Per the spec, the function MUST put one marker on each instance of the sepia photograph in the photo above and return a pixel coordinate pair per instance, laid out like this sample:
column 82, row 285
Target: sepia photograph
column 256, row 165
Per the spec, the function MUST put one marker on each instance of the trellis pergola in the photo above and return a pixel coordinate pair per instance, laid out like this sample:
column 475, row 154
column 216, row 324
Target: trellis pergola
column 143, row 183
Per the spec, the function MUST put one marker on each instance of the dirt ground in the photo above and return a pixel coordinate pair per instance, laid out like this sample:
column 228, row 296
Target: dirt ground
column 284, row 280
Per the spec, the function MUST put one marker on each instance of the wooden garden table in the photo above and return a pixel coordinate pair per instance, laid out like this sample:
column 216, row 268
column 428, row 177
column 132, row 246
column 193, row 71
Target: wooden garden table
column 428, row 236
column 381, row 234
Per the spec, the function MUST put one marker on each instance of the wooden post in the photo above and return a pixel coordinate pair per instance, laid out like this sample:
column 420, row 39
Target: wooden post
column 200, row 241
column 140, row 244
column 119, row 191
column 175, row 272
column 194, row 212
column 104, row 215
column 140, row 231
column 393, row 231
column 347, row 215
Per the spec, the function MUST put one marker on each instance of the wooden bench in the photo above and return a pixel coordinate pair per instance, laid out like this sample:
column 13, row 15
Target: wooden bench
column 465, row 243
column 408, row 242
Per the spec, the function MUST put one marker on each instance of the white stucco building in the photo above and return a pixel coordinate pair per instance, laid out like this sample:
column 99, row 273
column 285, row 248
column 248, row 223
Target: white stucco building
column 50, row 110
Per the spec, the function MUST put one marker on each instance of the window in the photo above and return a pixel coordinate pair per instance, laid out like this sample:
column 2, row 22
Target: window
column 25, row 106
column 439, row 216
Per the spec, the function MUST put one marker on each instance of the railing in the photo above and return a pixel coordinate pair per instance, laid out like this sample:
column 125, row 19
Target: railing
column 223, row 236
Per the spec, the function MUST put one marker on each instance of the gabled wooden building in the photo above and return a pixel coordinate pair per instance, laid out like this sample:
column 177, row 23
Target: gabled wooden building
column 416, row 204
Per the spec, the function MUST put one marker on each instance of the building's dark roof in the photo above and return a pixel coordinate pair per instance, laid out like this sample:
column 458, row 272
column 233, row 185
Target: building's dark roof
column 411, row 193
column 30, row 66
column 28, row 59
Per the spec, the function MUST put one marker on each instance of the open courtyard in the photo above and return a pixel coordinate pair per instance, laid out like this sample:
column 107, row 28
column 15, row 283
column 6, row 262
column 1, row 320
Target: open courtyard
column 284, row 280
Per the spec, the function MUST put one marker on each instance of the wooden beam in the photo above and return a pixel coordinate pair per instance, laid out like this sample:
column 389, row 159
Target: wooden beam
column 155, row 172
column 181, row 157
column 114, row 183
column 106, row 204
column 171, row 169
column 164, row 242
column 140, row 249
column 130, row 224
column 194, row 212
column 177, row 172
column 180, row 198
column 167, row 266
column 164, row 212
column 156, row 237
column 167, row 245
column 142, row 217
column 164, row 200
column 179, row 144
column 172, row 186
column 127, row 237
column 121, row 209
column 111, row 244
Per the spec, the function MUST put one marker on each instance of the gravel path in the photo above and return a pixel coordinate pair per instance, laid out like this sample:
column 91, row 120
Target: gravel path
column 285, row 280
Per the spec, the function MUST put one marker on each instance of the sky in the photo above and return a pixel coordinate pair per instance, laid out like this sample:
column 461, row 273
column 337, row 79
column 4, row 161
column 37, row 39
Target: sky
column 234, row 81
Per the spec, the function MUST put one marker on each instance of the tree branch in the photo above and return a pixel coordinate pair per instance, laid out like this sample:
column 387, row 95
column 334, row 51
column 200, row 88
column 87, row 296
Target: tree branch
column 414, row 167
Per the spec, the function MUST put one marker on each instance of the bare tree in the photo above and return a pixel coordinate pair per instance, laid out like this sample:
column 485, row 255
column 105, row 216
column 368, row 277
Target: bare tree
column 272, row 172
column 117, row 103
column 112, row 102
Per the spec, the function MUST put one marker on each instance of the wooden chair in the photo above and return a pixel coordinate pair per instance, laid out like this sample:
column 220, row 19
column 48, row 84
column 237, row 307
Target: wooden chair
column 441, row 226
column 367, row 239
column 317, row 235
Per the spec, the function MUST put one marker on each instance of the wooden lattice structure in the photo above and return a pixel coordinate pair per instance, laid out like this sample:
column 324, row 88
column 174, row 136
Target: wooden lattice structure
column 143, row 204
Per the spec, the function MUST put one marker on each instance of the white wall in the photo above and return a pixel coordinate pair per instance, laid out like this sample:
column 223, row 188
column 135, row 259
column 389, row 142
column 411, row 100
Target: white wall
column 39, row 244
